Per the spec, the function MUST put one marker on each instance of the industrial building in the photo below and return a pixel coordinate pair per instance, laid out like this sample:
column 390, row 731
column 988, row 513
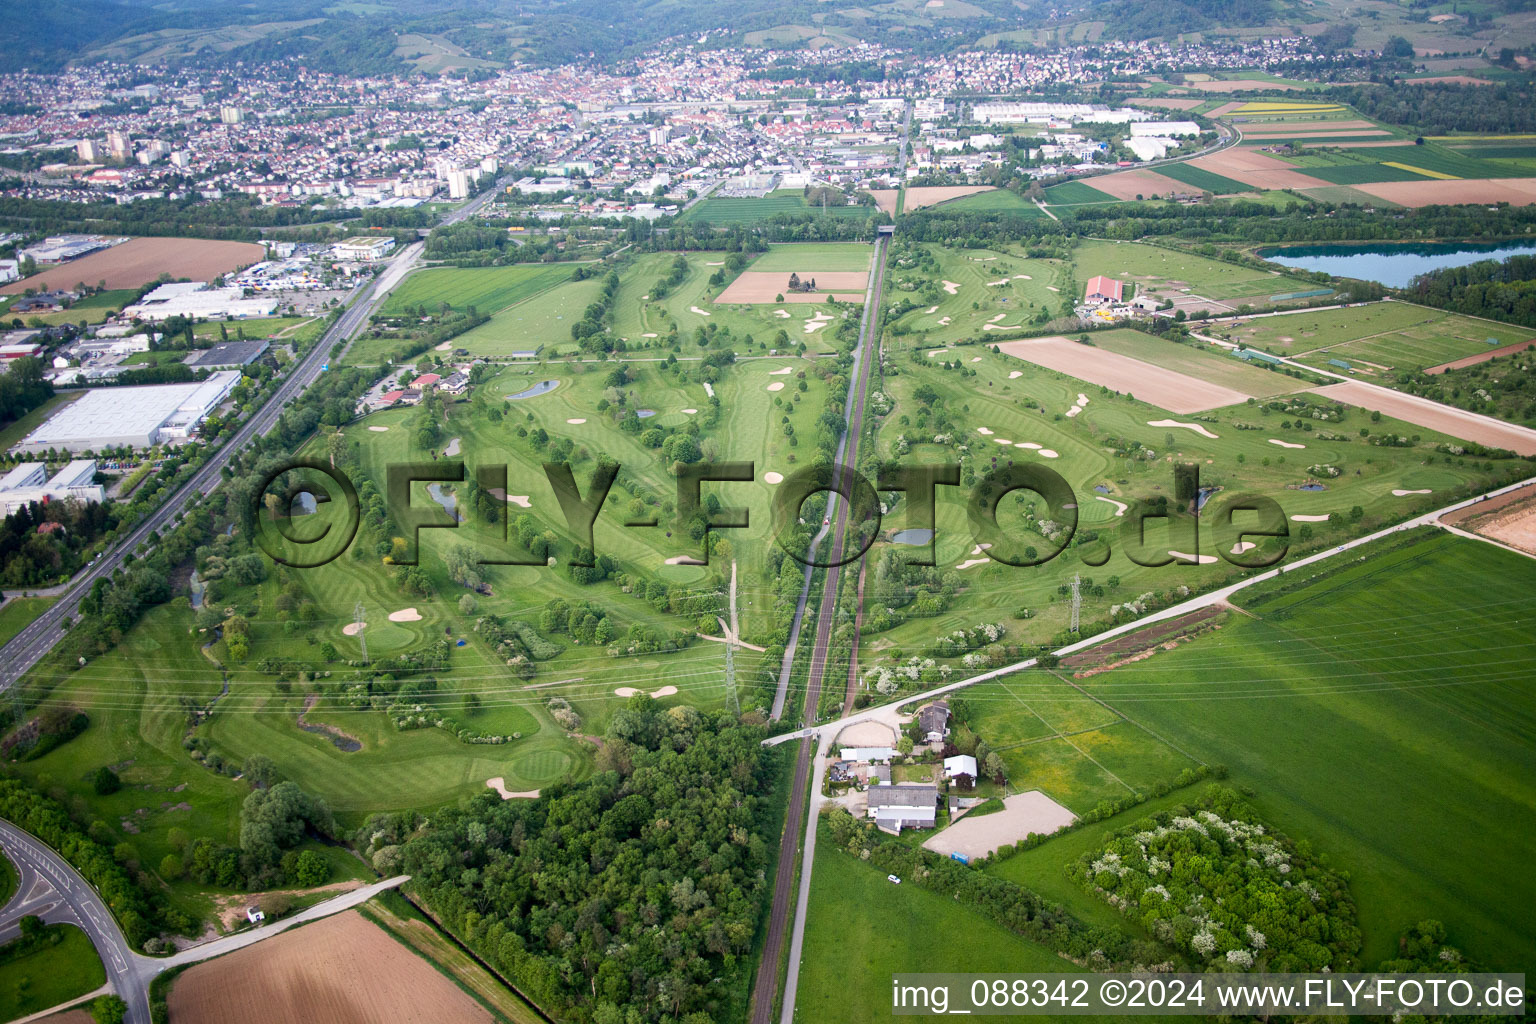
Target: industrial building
column 227, row 355
column 29, row 482
column 363, row 248
column 194, row 299
column 136, row 417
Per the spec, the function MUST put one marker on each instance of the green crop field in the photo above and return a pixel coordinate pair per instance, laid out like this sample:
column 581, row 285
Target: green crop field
column 1436, row 158
column 996, row 200
column 488, row 289
column 50, row 976
column 751, row 211
column 92, row 309
column 861, row 928
column 1382, row 714
column 1375, row 339
column 279, row 328
column 1200, row 178
column 821, row 256
column 1363, row 173
column 1076, row 193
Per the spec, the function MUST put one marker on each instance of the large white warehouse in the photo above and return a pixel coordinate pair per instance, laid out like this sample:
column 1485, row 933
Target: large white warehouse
column 135, row 416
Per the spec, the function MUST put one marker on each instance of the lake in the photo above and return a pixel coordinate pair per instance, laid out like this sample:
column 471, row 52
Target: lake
column 1394, row 265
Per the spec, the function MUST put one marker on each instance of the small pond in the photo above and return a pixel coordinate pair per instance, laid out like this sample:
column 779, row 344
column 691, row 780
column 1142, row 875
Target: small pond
column 912, row 536
column 542, row 387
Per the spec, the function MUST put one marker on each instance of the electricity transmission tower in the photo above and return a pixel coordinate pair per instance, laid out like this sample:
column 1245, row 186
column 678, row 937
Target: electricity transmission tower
column 1077, row 599
column 362, row 637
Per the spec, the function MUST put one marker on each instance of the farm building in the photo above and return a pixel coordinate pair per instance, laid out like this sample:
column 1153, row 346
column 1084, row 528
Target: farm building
column 1253, row 355
column 134, row 416
column 867, row 753
column 1103, row 289
column 904, row 805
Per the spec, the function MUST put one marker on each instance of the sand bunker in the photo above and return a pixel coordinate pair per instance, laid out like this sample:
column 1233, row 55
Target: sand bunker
column 576, row 422
column 405, row 615
column 701, row 312
column 1400, row 493
column 1001, row 440
column 1243, row 545
column 709, row 389
column 1285, row 444
column 513, row 499
column 649, row 334
column 773, row 478
column 1202, row 559
column 630, row 691
column 780, row 373
column 683, row 560
column 943, row 321
column 378, row 430
column 936, row 352
column 777, row 385
column 1046, row 453
column 1001, row 327
column 453, row 447
column 817, row 322
column 1028, row 444
column 445, row 346
column 971, row 563
column 1120, row 506
column 1197, row 428
column 997, row 318
column 717, row 263
column 353, row 628
column 951, row 287
column 994, row 284
column 499, row 784
column 1312, row 519
column 932, row 309
column 985, row 431
column 690, row 412
column 1022, row 277
column 781, row 313
column 1015, row 374
column 1082, row 402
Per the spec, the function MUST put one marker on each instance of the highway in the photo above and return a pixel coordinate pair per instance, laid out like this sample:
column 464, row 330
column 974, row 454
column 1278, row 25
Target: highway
column 29, row 646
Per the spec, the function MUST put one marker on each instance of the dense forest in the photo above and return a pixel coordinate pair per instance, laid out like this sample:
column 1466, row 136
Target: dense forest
column 1503, row 107
column 1500, row 290
column 635, row 892
column 41, row 543
column 22, row 388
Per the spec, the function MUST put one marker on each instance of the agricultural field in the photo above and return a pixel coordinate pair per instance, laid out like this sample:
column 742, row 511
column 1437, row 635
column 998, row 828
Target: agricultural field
column 280, row 329
column 1204, row 180
column 139, row 261
column 1402, row 652
column 1377, row 341
column 857, row 917
column 1075, row 193
column 51, row 975
column 341, row 968
column 728, row 211
column 93, row 309
column 488, row 289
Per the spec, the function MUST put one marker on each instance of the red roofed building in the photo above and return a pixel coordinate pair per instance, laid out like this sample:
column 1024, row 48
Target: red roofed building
column 390, row 398
column 426, row 380
column 1103, row 289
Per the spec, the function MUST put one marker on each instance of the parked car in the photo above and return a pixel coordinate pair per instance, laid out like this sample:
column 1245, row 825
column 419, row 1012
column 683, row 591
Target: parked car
column 893, row 879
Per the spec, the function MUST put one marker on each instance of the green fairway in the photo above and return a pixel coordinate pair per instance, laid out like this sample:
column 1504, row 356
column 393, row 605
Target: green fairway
column 1383, row 715
column 488, row 289
column 1202, row 361
column 49, row 976
column 1376, row 340
column 1203, row 179
column 957, row 294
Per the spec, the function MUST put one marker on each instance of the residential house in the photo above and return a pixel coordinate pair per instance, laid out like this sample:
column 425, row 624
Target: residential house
column 933, row 721
column 960, row 764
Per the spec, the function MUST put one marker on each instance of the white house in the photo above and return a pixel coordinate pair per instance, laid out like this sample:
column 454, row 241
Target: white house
column 960, row 764
column 254, row 915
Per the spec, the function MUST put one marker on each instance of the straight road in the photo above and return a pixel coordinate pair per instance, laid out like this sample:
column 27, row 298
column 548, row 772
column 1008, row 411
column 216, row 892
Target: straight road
column 766, row 984
column 29, row 646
